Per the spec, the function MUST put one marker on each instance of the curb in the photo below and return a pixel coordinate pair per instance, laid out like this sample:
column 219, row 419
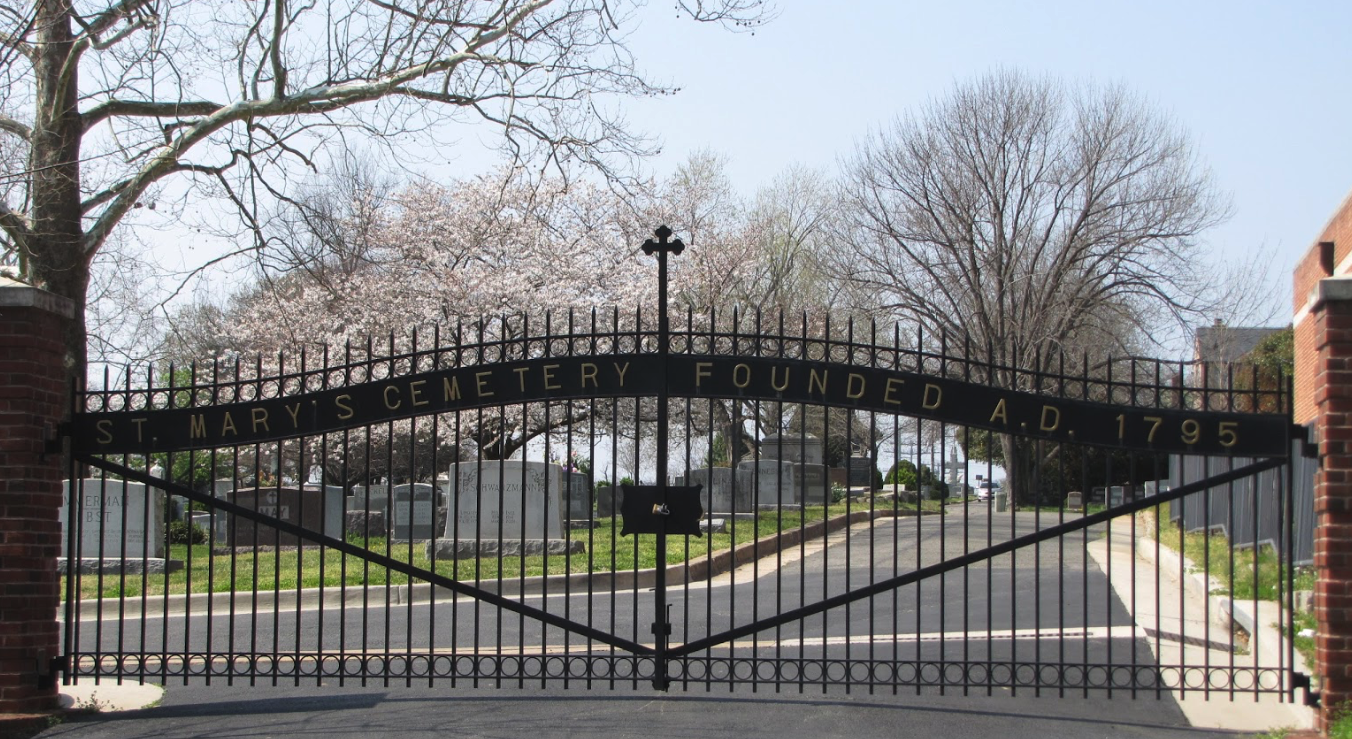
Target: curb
column 698, row 570
column 1227, row 612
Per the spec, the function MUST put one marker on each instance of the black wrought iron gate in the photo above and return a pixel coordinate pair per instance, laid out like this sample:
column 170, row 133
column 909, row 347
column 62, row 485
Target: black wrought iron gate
column 448, row 509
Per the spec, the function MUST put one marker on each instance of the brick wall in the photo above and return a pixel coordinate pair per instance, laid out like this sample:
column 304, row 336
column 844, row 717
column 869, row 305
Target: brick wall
column 33, row 398
column 1309, row 271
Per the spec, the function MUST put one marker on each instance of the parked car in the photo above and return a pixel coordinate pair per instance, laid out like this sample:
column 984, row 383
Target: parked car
column 985, row 489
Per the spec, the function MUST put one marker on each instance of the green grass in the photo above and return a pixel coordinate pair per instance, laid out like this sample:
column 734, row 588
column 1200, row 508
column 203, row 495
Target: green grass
column 1304, row 644
column 267, row 569
column 1244, row 573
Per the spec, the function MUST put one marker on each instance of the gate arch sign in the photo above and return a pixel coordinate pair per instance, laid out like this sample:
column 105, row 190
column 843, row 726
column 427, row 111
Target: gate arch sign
column 788, row 380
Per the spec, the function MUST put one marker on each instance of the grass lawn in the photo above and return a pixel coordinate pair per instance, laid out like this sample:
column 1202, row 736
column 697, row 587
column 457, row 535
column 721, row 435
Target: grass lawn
column 1242, row 572
column 266, row 569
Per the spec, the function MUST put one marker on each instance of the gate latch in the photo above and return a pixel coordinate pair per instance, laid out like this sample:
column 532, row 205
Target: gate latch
column 661, row 509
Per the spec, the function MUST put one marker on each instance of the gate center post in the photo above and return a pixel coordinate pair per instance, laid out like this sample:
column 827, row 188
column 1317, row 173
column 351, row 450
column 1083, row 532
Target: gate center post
column 661, row 627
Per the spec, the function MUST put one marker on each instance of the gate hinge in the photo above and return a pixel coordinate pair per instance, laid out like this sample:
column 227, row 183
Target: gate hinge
column 1308, row 448
column 1300, row 680
column 55, row 436
column 48, row 669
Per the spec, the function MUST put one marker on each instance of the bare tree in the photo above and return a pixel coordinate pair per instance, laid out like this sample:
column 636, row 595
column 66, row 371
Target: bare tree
column 121, row 104
column 1031, row 219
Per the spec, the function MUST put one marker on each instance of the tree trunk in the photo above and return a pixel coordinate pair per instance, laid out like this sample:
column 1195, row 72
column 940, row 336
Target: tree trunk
column 1019, row 470
column 57, row 230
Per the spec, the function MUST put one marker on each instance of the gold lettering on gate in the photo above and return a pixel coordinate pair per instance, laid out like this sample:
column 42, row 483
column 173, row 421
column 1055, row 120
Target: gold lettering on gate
column 819, row 382
column 293, row 410
column 893, row 384
column 778, row 386
column 521, row 377
column 450, row 389
column 259, row 416
column 588, row 373
column 1055, row 418
column 850, row 391
column 741, row 376
column 386, row 395
column 931, row 400
column 228, row 425
column 702, row 371
column 621, row 370
column 138, row 422
column 1001, row 413
column 197, row 427
column 347, row 409
column 415, row 393
column 481, row 381
column 105, row 431
column 549, row 377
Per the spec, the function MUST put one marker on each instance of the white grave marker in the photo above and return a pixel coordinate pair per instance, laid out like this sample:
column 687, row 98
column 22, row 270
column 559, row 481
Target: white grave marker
column 493, row 498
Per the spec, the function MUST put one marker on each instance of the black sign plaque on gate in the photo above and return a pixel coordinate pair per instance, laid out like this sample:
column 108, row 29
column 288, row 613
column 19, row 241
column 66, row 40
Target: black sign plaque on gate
column 647, row 511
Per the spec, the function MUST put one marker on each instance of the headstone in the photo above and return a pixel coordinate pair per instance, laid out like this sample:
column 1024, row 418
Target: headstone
column 116, row 518
column 320, row 511
column 371, row 497
column 578, row 497
column 608, row 500
column 769, row 482
column 507, row 500
column 1074, row 500
column 793, row 448
column 719, row 493
column 860, row 472
column 1116, row 495
column 814, row 485
column 414, row 513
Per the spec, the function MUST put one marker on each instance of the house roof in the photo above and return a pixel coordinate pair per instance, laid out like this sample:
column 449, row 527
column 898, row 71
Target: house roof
column 1228, row 343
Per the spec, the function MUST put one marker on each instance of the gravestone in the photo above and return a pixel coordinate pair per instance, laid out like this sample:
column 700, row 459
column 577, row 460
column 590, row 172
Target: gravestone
column 312, row 508
column 506, row 500
column 860, row 472
column 609, row 498
column 793, row 448
column 813, row 482
column 719, row 493
column 1074, row 501
column 414, row 513
column 371, row 497
column 769, row 482
column 117, row 519
column 577, row 497
column 1117, row 495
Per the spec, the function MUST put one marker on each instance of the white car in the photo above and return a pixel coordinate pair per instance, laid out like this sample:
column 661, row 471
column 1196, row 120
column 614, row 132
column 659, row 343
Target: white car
column 985, row 489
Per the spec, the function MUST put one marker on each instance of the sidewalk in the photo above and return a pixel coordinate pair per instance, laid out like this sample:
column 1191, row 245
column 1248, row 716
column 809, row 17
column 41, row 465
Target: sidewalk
column 1182, row 640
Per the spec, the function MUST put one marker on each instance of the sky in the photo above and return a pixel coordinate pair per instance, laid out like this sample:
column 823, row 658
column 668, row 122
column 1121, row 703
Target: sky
column 1263, row 88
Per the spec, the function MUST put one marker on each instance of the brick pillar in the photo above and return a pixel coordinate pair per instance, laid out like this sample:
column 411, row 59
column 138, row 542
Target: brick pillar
column 33, row 399
column 1332, row 314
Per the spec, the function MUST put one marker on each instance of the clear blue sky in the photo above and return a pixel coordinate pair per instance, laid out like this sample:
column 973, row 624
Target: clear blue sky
column 1264, row 88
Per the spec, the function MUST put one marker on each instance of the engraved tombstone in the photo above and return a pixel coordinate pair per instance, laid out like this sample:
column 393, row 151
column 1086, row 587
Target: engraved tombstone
column 718, row 494
column 506, row 500
column 1074, row 500
column 793, row 448
column 769, row 482
column 578, row 497
column 414, row 511
column 117, row 519
column 314, row 509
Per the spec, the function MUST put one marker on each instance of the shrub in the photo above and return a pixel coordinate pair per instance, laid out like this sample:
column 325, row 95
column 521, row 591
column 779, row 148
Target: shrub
column 182, row 532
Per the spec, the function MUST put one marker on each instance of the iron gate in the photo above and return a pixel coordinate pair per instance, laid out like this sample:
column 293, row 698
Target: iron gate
column 448, row 509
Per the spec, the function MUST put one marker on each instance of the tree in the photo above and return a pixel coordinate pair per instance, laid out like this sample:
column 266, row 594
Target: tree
column 1031, row 219
column 159, row 105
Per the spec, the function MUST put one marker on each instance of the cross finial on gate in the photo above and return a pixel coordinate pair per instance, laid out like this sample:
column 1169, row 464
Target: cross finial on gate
column 675, row 246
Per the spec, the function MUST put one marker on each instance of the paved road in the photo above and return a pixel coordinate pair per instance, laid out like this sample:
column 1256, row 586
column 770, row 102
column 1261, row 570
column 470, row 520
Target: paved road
column 1051, row 587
